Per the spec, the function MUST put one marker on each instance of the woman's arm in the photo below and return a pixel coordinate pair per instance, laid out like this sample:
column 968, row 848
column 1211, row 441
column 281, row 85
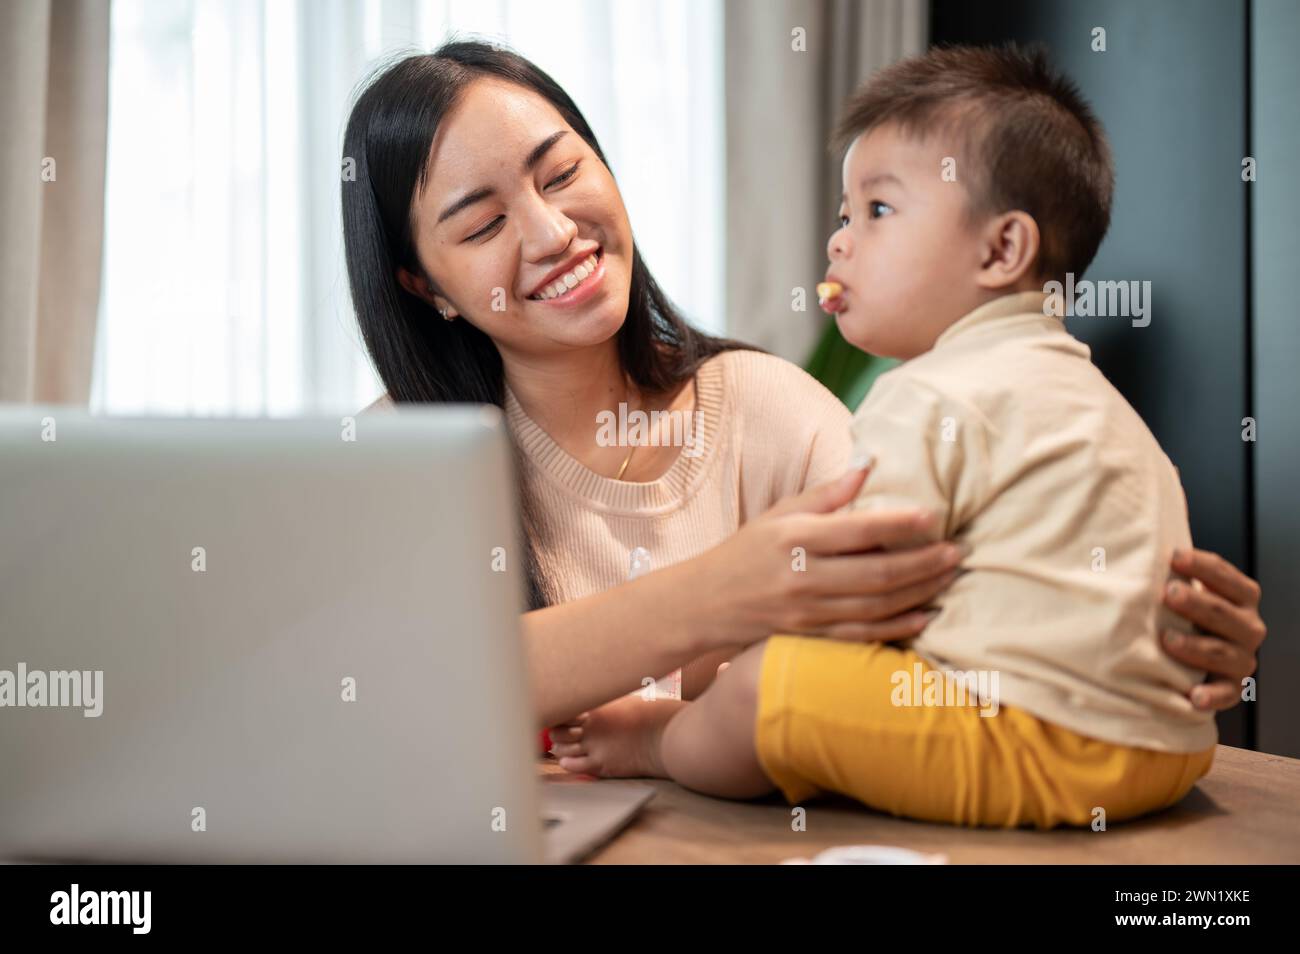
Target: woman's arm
column 588, row 651
column 1227, row 607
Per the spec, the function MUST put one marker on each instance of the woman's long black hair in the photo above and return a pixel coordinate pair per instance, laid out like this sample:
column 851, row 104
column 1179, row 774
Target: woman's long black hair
column 419, row 357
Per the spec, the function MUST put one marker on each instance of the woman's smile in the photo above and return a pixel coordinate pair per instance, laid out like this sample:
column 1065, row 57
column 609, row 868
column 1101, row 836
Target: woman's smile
column 575, row 285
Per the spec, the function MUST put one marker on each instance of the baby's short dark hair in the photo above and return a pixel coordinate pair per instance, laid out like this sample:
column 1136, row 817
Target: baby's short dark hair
column 1028, row 139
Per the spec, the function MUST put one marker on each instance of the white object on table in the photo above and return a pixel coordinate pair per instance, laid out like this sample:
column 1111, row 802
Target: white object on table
column 869, row 855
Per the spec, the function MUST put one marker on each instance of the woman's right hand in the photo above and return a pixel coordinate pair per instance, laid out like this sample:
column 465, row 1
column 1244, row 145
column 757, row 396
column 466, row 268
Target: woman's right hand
column 864, row 574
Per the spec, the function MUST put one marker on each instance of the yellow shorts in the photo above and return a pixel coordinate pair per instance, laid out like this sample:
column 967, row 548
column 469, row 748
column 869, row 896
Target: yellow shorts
column 826, row 721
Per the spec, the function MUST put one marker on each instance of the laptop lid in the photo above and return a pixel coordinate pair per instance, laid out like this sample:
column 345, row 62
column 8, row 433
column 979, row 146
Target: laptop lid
column 292, row 640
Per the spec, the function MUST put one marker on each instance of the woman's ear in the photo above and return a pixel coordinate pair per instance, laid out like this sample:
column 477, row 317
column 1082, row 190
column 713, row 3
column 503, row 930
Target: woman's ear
column 420, row 287
column 1010, row 253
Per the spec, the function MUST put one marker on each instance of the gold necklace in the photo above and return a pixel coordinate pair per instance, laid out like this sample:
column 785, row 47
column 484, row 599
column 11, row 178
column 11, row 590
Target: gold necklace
column 627, row 460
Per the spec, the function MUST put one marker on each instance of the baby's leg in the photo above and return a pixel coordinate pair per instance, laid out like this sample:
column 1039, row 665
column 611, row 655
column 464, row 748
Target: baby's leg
column 698, row 674
column 709, row 745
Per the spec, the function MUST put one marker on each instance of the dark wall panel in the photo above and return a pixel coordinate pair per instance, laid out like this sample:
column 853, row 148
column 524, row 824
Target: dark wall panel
column 1275, row 248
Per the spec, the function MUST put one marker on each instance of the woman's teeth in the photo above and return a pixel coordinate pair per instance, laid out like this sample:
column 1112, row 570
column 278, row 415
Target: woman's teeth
column 569, row 280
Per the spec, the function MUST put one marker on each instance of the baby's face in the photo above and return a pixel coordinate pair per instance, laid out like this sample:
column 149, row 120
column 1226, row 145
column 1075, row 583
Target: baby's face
column 906, row 251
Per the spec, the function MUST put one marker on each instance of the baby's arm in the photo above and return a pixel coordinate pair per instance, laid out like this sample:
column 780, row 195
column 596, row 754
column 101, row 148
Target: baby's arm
column 930, row 450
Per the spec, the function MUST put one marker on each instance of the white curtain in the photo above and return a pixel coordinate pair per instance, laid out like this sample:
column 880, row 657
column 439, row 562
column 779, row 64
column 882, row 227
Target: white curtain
column 53, row 113
column 225, row 290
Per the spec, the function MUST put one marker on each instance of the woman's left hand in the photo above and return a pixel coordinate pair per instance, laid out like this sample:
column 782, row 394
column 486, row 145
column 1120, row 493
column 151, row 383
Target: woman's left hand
column 1228, row 610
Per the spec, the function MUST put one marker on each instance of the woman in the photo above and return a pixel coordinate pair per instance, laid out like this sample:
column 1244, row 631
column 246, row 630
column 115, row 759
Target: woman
column 491, row 260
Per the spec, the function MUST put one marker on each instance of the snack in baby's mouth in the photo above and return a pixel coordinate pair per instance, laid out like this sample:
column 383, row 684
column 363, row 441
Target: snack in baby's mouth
column 828, row 297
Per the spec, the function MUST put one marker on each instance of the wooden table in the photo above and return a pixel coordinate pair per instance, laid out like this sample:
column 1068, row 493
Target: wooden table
column 1246, row 811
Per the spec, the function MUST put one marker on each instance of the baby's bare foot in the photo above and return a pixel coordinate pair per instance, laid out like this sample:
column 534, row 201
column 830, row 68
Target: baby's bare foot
column 618, row 740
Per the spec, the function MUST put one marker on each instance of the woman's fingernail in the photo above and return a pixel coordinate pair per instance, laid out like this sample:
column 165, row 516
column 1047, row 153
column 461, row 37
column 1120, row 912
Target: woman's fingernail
column 1175, row 590
column 1200, row 697
column 1173, row 639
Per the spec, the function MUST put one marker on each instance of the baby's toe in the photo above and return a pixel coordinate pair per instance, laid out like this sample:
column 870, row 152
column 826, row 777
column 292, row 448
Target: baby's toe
column 563, row 750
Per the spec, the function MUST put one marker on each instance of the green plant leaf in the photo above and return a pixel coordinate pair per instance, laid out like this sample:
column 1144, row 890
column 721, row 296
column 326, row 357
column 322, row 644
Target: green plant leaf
column 846, row 371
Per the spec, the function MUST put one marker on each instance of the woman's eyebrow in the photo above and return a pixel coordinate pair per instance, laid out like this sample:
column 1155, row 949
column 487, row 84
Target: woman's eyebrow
column 542, row 148
column 463, row 202
column 532, row 159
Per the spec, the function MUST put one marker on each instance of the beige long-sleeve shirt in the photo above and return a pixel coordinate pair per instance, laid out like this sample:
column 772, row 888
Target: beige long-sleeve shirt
column 1071, row 509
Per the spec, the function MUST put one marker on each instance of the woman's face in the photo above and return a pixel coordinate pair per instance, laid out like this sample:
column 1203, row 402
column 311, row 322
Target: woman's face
column 520, row 225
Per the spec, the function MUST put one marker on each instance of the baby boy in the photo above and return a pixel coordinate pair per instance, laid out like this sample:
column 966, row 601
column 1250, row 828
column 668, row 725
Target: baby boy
column 973, row 180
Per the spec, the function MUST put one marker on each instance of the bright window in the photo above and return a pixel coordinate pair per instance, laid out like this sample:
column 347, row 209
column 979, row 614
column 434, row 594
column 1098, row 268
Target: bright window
column 225, row 290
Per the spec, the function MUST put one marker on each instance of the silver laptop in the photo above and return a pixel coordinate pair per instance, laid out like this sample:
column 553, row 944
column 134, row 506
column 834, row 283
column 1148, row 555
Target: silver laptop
column 256, row 640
